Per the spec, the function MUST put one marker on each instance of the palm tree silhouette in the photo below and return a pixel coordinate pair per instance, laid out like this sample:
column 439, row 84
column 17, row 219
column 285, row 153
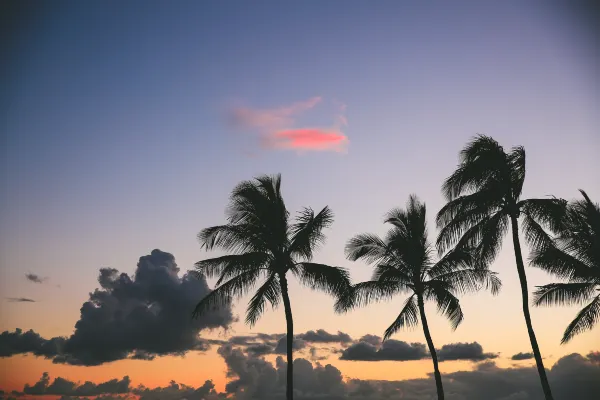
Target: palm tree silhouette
column 403, row 264
column 265, row 246
column 483, row 197
column 573, row 255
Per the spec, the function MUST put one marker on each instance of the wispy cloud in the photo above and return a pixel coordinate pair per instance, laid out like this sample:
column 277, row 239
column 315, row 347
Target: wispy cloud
column 278, row 128
column 20, row 300
column 35, row 278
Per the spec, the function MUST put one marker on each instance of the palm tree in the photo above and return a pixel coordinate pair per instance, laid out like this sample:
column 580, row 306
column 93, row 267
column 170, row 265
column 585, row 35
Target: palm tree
column 573, row 255
column 403, row 263
column 483, row 197
column 263, row 245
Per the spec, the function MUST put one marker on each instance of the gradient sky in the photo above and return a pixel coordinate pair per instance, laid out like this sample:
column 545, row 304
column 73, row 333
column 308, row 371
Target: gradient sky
column 125, row 125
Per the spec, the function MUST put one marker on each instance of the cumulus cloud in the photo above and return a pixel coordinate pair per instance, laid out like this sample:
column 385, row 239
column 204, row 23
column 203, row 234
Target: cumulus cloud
column 463, row 351
column 35, row 278
column 521, row 356
column 20, row 300
column 277, row 127
column 143, row 316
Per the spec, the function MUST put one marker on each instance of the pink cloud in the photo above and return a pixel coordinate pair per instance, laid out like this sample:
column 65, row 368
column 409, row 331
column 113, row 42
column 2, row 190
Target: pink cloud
column 308, row 139
column 277, row 131
column 270, row 119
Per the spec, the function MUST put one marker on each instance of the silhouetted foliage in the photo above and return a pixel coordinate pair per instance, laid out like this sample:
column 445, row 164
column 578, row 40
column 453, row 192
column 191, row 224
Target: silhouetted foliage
column 483, row 197
column 265, row 246
column 573, row 255
column 403, row 263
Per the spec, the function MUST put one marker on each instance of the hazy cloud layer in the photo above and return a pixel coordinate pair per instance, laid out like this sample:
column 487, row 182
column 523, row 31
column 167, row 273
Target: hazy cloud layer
column 141, row 317
column 278, row 127
column 572, row 377
column 521, row 356
column 20, row 300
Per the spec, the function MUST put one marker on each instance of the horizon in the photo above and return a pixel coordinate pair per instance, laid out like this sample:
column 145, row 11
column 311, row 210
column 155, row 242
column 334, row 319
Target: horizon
column 127, row 127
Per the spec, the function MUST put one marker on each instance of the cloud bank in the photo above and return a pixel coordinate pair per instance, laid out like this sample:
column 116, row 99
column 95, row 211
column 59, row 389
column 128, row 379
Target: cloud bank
column 572, row 377
column 278, row 127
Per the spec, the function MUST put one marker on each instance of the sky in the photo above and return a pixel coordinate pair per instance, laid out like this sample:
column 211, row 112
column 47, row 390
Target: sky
column 125, row 126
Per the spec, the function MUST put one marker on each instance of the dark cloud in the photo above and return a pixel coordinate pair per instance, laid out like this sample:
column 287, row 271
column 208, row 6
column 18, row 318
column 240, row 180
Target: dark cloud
column 35, row 278
column 176, row 391
column 17, row 342
column 143, row 316
column 314, row 355
column 463, row 351
column 371, row 339
column 522, row 356
column 594, row 356
column 61, row 386
column 20, row 300
column 322, row 336
column 394, row 350
column 281, row 348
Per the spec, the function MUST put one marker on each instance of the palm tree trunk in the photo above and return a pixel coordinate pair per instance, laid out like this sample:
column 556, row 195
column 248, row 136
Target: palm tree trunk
column 290, row 337
column 525, row 296
column 436, row 370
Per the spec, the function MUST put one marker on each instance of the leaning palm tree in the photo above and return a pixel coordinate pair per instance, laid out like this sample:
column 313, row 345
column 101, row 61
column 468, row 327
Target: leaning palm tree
column 483, row 197
column 403, row 264
column 573, row 255
column 264, row 245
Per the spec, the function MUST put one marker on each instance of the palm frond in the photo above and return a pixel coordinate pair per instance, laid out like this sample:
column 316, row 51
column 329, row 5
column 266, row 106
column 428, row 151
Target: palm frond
column 368, row 247
column 307, row 232
column 223, row 294
column 481, row 160
column 389, row 273
column 563, row 293
column 269, row 291
column 457, row 258
column 408, row 317
column 230, row 265
column 332, row 280
column 364, row 293
column 233, row 238
column 447, row 304
column 470, row 280
column 516, row 162
column 490, row 237
column 259, row 206
column 549, row 213
column 585, row 320
column 557, row 262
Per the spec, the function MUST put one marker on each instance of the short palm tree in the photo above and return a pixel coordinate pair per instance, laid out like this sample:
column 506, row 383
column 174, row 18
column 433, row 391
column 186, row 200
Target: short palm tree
column 263, row 245
column 483, row 197
column 403, row 264
column 573, row 255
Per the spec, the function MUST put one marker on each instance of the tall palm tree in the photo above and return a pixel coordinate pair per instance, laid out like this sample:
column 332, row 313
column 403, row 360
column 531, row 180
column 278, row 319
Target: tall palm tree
column 403, row 264
column 483, row 197
column 264, row 245
column 573, row 255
